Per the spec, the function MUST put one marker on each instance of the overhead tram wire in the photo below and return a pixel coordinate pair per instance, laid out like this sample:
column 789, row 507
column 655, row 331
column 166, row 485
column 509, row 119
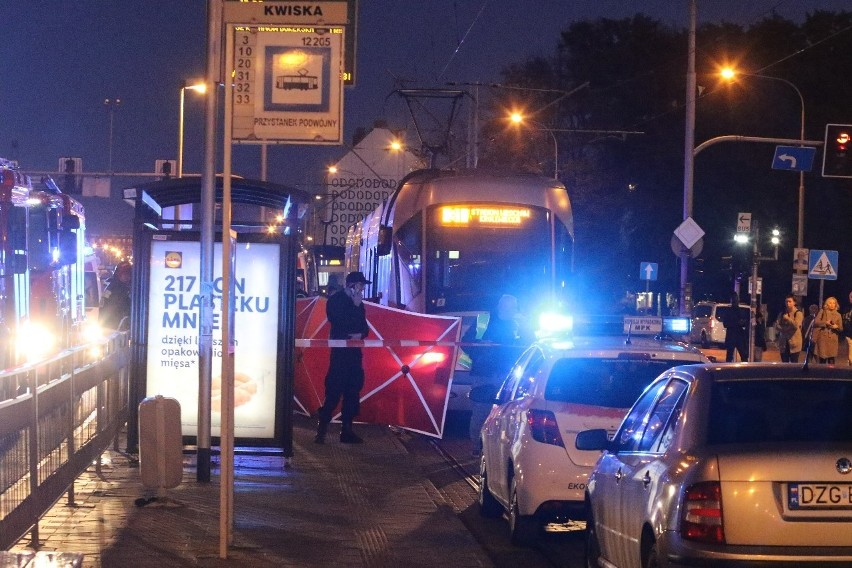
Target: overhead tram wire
column 461, row 42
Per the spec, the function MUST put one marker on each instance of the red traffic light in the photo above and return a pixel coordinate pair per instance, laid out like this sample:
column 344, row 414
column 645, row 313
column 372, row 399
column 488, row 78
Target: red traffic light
column 836, row 160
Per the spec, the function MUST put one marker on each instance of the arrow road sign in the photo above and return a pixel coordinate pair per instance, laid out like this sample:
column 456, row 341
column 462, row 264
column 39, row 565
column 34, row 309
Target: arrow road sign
column 822, row 265
column 793, row 158
column 648, row 270
column 744, row 222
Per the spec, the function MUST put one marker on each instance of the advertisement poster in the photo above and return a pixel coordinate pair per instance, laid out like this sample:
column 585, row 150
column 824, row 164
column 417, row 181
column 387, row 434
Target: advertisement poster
column 173, row 327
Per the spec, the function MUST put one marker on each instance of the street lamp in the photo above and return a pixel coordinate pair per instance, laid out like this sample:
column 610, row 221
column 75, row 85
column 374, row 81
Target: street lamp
column 730, row 74
column 518, row 118
column 111, row 105
column 198, row 88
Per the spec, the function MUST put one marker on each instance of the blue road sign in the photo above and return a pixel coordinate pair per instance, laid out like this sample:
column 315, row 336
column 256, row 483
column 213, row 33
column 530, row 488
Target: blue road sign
column 647, row 271
column 822, row 265
column 793, row 158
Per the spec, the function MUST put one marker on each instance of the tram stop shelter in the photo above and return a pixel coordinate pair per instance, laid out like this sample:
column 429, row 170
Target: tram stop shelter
column 166, row 293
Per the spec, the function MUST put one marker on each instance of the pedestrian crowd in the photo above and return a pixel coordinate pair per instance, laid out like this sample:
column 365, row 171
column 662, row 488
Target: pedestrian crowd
column 817, row 334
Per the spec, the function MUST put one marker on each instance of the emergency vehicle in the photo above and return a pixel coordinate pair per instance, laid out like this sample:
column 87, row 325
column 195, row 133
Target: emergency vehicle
column 42, row 284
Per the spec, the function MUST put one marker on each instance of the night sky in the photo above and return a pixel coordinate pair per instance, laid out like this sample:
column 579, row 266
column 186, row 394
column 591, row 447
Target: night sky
column 61, row 60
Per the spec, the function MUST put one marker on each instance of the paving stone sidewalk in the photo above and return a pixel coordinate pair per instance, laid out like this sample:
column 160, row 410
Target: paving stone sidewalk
column 335, row 505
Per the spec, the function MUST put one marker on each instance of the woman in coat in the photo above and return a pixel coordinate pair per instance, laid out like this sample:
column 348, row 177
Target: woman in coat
column 789, row 330
column 827, row 329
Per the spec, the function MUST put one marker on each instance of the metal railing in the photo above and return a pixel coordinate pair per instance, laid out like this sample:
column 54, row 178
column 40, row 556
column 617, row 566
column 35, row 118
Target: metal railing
column 57, row 416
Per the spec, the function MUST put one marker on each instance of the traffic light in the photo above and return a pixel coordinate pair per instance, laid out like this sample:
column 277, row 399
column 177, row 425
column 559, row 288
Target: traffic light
column 72, row 168
column 837, row 152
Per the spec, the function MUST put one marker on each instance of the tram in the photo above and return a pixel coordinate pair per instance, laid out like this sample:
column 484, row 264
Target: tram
column 320, row 269
column 452, row 242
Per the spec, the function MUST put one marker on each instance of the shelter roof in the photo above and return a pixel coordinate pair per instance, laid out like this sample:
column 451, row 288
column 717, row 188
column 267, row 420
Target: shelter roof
column 187, row 190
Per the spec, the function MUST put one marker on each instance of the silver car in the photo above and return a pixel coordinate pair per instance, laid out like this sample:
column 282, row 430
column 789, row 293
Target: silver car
column 727, row 465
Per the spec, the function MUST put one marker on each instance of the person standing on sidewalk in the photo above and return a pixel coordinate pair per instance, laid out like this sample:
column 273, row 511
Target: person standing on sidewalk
column 345, row 377
column 847, row 331
column 736, row 331
column 828, row 327
column 789, row 330
column 759, row 335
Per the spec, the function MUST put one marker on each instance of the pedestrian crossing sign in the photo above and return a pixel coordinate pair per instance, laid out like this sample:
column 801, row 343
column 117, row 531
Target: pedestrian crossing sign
column 822, row 265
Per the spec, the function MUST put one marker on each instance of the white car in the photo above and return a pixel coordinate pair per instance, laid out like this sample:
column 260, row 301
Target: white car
column 529, row 466
column 727, row 465
column 707, row 327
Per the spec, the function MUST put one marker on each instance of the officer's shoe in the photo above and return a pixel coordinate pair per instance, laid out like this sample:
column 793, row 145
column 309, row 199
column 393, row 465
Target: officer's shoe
column 350, row 438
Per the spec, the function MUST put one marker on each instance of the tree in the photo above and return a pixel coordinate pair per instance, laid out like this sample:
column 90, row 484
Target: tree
column 627, row 190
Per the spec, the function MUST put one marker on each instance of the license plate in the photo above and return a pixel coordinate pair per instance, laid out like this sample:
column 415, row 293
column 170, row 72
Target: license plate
column 819, row 496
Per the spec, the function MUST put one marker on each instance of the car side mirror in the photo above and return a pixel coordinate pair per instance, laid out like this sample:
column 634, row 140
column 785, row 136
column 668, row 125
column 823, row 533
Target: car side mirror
column 484, row 394
column 596, row 439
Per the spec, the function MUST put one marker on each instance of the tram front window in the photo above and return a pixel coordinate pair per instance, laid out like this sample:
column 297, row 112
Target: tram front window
column 471, row 266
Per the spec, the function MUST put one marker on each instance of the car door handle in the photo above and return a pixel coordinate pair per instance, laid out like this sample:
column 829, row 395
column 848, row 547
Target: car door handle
column 646, row 480
column 618, row 475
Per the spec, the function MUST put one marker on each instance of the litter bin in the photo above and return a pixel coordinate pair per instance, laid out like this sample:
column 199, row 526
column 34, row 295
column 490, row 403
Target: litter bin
column 160, row 442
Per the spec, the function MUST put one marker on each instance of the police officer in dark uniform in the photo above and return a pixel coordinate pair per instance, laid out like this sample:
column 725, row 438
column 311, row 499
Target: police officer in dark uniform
column 345, row 378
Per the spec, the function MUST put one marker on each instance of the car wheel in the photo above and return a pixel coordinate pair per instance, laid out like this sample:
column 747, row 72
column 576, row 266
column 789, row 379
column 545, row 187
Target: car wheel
column 705, row 343
column 592, row 547
column 523, row 529
column 488, row 505
column 651, row 560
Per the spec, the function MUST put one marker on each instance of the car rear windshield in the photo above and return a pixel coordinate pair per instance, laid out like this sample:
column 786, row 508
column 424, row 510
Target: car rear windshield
column 780, row 411
column 610, row 383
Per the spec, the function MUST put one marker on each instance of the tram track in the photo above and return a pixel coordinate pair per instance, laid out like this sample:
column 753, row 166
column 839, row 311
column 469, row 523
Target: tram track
column 556, row 548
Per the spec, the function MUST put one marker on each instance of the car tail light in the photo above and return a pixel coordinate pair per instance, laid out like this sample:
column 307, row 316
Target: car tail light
column 702, row 513
column 544, row 428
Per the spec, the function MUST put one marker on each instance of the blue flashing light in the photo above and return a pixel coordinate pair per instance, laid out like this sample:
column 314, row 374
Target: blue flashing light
column 677, row 325
column 550, row 323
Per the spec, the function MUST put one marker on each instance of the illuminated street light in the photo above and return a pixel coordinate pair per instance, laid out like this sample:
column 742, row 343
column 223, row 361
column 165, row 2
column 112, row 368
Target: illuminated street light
column 396, row 146
column 518, row 118
column 198, row 88
column 776, row 237
column 729, row 74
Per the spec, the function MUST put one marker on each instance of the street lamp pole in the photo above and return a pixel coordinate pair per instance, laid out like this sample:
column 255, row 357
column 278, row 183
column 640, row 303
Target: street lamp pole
column 518, row 118
column 111, row 105
column 800, row 232
column 198, row 88
column 179, row 168
column 689, row 158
